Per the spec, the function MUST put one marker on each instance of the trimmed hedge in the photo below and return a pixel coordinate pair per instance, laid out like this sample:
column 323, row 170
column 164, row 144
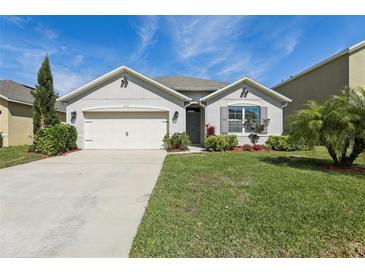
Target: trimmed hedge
column 220, row 142
column 55, row 139
column 283, row 143
column 179, row 141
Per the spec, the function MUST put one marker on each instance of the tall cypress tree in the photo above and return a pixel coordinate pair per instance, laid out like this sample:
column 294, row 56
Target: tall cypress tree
column 44, row 112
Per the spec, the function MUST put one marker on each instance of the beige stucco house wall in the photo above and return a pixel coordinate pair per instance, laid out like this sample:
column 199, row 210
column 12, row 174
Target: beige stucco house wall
column 16, row 123
column 320, row 82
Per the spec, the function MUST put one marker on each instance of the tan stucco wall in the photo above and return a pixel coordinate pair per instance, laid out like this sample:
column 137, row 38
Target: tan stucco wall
column 4, row 117
column 20, row 124
column 318, row 85
column 357, row 68
column 17, row 123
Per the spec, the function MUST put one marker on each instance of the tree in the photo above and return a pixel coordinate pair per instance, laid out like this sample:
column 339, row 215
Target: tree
column 255, row 127
column 44, row 112
column 338, row 124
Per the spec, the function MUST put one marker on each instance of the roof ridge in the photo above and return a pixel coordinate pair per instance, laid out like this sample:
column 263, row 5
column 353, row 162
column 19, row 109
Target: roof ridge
column 192, row 77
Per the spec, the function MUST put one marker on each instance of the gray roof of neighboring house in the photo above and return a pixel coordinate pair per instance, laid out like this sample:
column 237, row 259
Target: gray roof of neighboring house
column 19, row 93
column 185, row 83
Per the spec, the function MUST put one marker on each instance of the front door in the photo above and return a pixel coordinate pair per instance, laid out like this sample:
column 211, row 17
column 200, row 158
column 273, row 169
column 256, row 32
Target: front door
column 193, row 124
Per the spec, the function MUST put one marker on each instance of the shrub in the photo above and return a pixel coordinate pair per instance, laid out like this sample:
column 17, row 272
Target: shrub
column 254, row 138
column 177, row 141
column 210, row 130
column 283, row 143
column 256, row 127
column 216, row 143
column 55, row 139
column 231, row 140
column 338, row 124
column 1, row 139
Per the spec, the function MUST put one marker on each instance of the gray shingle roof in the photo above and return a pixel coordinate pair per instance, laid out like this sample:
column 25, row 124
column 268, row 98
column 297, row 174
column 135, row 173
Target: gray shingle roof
column 185, row 83
column 14, row 91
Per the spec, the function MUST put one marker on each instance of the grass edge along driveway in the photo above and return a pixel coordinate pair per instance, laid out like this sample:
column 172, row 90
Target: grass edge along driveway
column 274, row 204
column 16, row 155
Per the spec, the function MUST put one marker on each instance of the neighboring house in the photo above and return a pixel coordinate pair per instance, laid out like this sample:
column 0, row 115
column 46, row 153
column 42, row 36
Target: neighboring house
column 16, row 123
column 320, row 82
column 124, row 109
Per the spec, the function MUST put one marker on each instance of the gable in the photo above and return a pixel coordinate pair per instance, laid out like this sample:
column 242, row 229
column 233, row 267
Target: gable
column 111, row 93
column 252, row 86
column 105, row 82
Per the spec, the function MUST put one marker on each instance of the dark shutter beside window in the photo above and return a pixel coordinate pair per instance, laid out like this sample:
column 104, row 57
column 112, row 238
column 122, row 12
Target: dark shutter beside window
column 263, row 116
column 224, row 120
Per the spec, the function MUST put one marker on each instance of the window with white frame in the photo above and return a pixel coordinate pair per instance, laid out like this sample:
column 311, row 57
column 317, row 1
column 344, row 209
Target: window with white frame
column 237, row 115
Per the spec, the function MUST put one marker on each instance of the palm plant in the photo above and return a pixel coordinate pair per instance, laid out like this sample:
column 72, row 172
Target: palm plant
column 338, row 124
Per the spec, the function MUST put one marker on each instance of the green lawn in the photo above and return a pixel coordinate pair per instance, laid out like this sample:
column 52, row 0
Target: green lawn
column 16, row 155
column 272, row 204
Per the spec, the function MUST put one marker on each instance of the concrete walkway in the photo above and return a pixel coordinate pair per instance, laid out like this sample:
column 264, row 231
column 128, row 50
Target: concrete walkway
column 84, row 204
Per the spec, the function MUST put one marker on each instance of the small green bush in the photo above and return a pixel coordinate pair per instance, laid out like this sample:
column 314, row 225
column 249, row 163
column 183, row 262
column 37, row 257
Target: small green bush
column 55, row 139
column 216, row 143
column 283, row 143
column 220, row 142
column 179, row 141
column 1, row 139
column 232, row 141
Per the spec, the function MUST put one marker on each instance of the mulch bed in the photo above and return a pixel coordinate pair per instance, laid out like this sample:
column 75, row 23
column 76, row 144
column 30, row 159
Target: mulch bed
column 353, row 169
column 241, row 149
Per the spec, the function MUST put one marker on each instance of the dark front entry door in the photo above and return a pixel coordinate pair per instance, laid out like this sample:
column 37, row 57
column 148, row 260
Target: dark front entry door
column 193, row 124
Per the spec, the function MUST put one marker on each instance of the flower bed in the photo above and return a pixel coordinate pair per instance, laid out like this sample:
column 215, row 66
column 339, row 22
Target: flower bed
column 250, row 148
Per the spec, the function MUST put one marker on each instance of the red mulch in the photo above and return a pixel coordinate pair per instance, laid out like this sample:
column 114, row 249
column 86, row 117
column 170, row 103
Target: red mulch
column 353, row 169
column 249, row 148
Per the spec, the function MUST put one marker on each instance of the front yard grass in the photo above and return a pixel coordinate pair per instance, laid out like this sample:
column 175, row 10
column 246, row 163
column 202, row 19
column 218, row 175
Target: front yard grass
column 16, row 155
column 271, row 204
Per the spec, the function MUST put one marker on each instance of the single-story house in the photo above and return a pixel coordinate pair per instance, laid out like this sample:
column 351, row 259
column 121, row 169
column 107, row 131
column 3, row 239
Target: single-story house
column 124, row 109
column 16, row 123
column 325, row 79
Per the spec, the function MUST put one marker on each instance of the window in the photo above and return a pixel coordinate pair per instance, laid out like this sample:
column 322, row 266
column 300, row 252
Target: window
column 252, row 114
column 235, row 119
column 237, row 115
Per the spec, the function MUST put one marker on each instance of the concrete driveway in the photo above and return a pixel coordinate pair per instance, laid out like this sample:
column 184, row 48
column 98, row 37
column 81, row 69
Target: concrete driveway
column 84, row 204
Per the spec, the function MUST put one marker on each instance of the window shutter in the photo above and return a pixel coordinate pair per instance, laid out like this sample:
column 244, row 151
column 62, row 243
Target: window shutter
column 263, row 116
column 224, row 120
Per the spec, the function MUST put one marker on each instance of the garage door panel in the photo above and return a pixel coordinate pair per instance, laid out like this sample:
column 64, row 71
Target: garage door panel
column 125, row 130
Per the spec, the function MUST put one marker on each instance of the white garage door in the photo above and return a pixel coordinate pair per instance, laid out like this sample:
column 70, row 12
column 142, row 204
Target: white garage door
column 125, row 130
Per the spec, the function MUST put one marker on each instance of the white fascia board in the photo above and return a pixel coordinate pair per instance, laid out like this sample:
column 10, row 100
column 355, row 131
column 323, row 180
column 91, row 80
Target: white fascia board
column 116, row 72
column 252, row 82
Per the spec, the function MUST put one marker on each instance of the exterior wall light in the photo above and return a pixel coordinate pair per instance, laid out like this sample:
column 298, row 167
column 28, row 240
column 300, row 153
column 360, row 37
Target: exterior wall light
column 124, row 82
column 176, row 115
column 244, row 92
column 73, row 116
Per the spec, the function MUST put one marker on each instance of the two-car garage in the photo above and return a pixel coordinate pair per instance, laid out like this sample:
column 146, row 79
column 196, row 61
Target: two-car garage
column 124, row 109
column 125, row 130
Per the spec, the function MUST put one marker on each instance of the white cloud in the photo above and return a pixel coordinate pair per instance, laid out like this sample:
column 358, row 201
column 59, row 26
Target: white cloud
column 228, row 47
column 194, row 36
column 46, row 31
column 19, row 21
column 66, row 79
column 146, row 34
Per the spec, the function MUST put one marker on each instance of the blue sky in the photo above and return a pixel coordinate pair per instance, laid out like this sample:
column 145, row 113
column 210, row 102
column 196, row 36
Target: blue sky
column 267, row 48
